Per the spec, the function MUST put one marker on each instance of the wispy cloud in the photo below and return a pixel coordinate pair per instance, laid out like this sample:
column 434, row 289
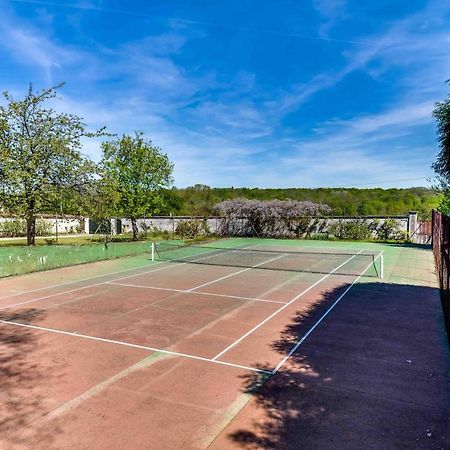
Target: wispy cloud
column 409, row 42
column 31, row 47
column 332, row 11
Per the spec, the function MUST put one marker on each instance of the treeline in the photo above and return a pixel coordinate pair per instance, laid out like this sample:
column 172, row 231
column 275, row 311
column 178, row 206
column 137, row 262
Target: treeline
column 200, row 199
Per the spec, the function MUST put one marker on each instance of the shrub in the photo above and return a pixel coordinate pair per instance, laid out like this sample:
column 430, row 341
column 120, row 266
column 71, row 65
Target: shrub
column 390, row 230
column 13, row 228
column 43, row 228
column 189, row 229
column 273, row 218
column 145, row 230
column 351, row 229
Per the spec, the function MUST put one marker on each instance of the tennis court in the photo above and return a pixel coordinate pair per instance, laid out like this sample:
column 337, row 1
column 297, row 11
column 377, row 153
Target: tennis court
column 151, row 351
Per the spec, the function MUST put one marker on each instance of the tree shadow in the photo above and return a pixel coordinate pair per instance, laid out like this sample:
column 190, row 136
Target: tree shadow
column 412, row 245
column 374, row 374
column 22, row 399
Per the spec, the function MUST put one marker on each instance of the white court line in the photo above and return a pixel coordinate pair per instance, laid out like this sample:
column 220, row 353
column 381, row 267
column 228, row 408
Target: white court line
column 197, row 293
column 283, row 307
column 234, row 273
column 127, row 344
column 300, row 342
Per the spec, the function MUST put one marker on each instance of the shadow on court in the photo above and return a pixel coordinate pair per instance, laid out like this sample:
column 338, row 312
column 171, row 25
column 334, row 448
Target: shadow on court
column 373, row 374
column 21, row 378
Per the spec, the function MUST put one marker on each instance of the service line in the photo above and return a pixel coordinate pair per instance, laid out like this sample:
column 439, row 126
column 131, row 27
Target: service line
column 238, row 297
column 235, row 273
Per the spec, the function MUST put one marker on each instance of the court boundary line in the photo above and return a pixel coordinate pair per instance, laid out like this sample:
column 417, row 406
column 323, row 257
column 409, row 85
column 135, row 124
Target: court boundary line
column 181, row 291
column 233, row 344
column 128, row 344
column 305, row 336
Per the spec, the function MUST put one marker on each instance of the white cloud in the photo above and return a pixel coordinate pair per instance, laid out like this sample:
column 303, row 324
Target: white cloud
column 31, row 47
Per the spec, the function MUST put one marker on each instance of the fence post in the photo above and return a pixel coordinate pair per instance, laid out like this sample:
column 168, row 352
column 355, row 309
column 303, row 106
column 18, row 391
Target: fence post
column 412, row 223
column 86, row 225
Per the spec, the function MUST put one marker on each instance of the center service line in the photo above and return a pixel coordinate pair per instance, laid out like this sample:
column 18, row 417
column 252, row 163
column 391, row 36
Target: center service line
column 283, row 307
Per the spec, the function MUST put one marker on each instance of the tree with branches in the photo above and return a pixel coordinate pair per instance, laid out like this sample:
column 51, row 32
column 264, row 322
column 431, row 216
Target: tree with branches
column 441, row 166
column 40, row 155
column 138, row 173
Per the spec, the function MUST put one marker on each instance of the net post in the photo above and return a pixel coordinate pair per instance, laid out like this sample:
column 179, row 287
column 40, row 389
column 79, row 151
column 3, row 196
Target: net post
column 381, row 265
column 153, row 251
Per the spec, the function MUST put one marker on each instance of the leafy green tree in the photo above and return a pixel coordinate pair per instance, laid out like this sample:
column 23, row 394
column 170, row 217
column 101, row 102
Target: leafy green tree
column 39, row 155
column 442, row 164
column 139, row 174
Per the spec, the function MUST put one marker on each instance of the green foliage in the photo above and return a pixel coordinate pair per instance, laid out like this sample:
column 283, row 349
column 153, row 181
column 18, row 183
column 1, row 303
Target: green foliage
column 138, row 174
column 444, row 204
column 39, row 156
column 190, row 229
column 442, row 164
column 13, row 228
column 200, row 200
column 390, row 230
column 43, row 228
column 18, row 228
column 351, row 230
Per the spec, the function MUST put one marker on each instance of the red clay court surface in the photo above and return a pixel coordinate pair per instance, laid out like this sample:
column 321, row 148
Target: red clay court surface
column 172, row 355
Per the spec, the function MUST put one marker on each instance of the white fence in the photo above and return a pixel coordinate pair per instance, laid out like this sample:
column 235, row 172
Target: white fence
column 407, row 224
column 52, row 224
column 72, row 224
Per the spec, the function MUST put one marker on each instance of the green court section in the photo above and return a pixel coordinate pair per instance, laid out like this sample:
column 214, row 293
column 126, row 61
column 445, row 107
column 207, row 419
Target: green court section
column 20, row 260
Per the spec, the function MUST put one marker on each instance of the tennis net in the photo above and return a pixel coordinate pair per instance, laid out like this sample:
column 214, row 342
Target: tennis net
column 339, row 263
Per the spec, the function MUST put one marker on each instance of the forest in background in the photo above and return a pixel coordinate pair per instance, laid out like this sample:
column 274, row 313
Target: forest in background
column 200, row 199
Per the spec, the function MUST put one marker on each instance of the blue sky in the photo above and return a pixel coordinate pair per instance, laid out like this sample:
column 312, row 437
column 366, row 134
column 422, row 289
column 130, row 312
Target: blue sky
column 302, row 93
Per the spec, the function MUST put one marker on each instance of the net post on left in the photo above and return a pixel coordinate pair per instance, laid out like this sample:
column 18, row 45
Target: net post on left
column 153, row 251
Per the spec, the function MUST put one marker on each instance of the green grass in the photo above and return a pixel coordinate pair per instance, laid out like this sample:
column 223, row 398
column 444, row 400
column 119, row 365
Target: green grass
column 16, row 258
